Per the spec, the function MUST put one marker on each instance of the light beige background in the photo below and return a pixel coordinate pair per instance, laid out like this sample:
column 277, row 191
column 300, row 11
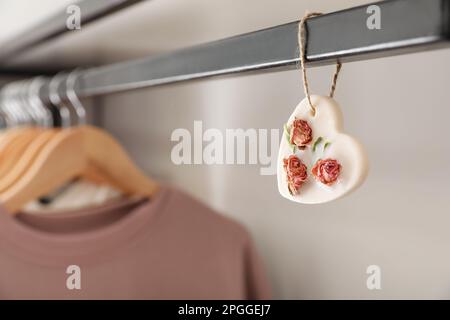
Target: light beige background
column 399, row 107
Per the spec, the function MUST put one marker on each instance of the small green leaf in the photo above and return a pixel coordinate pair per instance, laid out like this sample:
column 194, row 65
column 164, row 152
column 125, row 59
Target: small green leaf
column 327, row 144
column 286, row 133
column 288, row 137
column 316, row 143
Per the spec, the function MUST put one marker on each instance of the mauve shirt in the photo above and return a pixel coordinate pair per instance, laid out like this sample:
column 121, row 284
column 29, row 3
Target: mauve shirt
column 169, row 247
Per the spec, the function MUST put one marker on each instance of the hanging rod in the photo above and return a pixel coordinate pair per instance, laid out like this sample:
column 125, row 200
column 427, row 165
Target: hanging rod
column 406, row 26
column 54, row 26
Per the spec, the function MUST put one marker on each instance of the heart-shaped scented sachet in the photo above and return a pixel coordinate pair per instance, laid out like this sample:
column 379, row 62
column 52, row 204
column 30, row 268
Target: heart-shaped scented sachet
column 317, row 161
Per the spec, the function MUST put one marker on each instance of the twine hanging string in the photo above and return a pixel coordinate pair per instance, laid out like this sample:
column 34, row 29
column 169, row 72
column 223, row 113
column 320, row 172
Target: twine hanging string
column 302, row 45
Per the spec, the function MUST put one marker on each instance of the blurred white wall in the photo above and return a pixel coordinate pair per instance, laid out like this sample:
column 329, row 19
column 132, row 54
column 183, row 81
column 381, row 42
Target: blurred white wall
column 399, row 107
column 18, row 16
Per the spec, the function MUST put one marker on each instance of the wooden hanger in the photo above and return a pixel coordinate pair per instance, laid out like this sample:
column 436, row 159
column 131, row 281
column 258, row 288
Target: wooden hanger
column 19, row 147
column 5, row 135
column 70, row 154
column 14, row 146
column 23, row 163
column 8, row 136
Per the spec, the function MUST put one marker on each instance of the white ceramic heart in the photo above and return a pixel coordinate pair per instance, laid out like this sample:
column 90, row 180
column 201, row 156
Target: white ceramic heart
column 330, row 143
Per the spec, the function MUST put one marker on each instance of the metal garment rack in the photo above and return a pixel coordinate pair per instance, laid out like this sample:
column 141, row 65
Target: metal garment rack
column 406, row 26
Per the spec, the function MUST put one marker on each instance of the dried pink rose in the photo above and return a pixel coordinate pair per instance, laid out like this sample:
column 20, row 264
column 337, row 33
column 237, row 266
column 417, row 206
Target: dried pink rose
column 327, row 171
column 301, row 133
column 296, row 173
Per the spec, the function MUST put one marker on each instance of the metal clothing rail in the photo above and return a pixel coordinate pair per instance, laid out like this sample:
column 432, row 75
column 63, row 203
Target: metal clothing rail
column 406, row 26
column 91, row 10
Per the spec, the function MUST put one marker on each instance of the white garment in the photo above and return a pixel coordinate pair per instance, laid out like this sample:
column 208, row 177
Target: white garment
column 76, row 195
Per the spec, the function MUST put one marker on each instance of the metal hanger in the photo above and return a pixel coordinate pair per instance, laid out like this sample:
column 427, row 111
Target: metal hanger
column 8, row 105
column 7, row 118
column 35, row 101
column 72, row 97
column 56, row 100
